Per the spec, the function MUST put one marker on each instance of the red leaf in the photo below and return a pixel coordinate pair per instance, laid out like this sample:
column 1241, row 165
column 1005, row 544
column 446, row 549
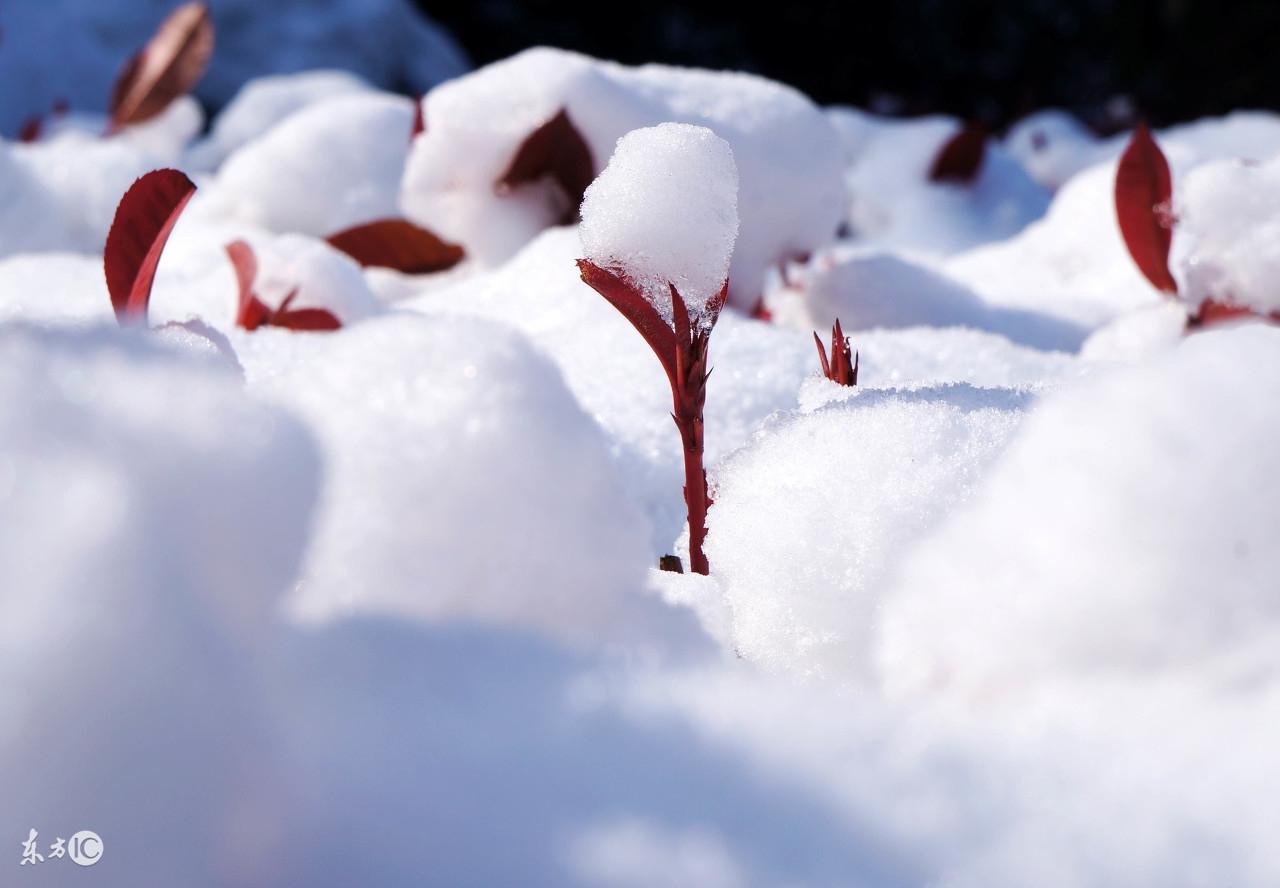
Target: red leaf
column 555, row 150
column 960, row 158
column 306, row 319
column 251, row 313
column 145, row 217
column 1212, row 312
column 1143, row 191
column 635, row 308
column 419, row 120
column 398, row 244
column 168, row 67
column 254, row 313
column 31, row 129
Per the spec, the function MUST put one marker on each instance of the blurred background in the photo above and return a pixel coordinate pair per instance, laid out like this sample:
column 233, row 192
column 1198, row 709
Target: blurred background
column 1170, row 60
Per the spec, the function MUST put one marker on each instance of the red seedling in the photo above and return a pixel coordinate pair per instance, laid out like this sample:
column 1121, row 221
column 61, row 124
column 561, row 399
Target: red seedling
column 843, row 366
column 143, row 221
column 168, row 67
column 398, row 244
column 254, row 313
column 960, row 158
column 682, row 351
column 556, row 151
column 1143, row 194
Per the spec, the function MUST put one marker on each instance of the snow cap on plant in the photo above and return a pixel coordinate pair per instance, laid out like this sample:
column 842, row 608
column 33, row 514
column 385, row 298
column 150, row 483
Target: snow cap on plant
column 665, row 213
column 658, row 228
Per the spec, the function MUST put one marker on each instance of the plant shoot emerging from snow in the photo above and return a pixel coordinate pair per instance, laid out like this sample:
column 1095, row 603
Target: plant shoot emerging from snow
column 658, row 228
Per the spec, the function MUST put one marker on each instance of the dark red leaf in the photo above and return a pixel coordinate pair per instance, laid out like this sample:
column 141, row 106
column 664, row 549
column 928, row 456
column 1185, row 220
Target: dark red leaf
column 419, row 120
column 31, row 129
column 761, row 311
column 555, row 150
column 169, row 66
column 633, row 306
column 145, row 217
column 959, row 160
column 251, row 313
column 306, row 319
column 1212, row 311
column 1144, row 189
column 398, row 244
column 671, row 563
column 822, row 355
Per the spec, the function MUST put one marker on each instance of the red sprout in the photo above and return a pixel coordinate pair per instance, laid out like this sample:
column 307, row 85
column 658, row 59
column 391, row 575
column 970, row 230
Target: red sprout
column 843, row 366
column 682, row 351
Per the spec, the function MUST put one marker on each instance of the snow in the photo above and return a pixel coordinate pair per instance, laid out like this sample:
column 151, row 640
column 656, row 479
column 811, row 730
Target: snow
column 1230, row 233
column 348, row 608
column 264, row 102
column 787, row 154
column 280, row 182
column 867, row 288
column 665, row 212
column 563, row 551
column 892, row 203
column 1152, row 506
column 808, row 517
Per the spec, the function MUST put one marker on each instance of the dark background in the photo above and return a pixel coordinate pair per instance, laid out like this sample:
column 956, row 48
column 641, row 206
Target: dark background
column 1106, row 60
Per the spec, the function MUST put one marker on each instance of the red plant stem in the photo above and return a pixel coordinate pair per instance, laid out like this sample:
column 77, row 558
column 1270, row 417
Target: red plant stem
column 696, row 497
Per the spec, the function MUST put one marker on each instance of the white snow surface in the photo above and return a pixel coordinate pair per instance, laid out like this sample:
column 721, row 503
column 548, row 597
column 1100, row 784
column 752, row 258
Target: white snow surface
column 349, row 608
column 665, row 212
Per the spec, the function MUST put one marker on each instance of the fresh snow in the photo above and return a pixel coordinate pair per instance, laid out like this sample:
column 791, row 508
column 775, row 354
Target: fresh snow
column 362, row 607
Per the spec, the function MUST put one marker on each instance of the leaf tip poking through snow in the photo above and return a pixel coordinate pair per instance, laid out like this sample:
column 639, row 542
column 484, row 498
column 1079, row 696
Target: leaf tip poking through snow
column 143, row 221
column 1143, row 191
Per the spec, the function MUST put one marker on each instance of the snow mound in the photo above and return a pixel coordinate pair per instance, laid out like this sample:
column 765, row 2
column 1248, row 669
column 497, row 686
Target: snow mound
column 809, row 518
column 787, row 154
column 327, row 167
column 151, row 518
column 868, row 288
column 892, row 203
column 1230, row 233
column 441, row 432
column 263, row 103
column 1129, row 528
column 665, row 211
column 1053, row 146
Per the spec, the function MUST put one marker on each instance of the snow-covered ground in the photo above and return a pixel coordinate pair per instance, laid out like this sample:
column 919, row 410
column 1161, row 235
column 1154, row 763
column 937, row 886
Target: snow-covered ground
column 380, row 606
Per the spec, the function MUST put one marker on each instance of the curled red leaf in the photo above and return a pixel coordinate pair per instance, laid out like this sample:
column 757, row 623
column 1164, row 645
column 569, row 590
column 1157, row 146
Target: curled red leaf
column 144, row 219
column 169, row 66
column 555, row 150
column 398, row 244
column 254, row 313
column 1143, row 192
column 959, row 160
